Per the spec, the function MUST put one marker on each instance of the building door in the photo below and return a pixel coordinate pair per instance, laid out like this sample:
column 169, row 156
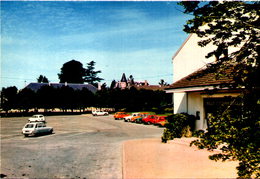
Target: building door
column 214, row 106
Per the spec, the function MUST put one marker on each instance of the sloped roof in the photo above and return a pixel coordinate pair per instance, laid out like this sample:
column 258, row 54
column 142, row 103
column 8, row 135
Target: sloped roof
column 123, row 79
column 37, row 86
column 201, row 78
column 151, row 87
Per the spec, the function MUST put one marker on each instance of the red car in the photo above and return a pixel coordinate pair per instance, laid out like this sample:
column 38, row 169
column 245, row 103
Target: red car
column 149, row 119
column 120, row 115
column 159, row 119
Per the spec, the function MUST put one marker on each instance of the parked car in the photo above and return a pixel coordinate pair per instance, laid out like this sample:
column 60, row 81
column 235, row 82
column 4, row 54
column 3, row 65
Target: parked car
column 37, row 118
column 141, row 116
column 35, row 128
column 161, row 123
column 128, row 118
column 135, row 117
column 159, row 119
column 149, row 119
column 120, row 115
column 99, row 113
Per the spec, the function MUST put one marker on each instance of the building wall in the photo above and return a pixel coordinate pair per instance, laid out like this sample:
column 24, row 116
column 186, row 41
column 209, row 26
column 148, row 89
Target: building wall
column 191, row 103
column 190, row 57
column 180, row 102
column 195, row 107
column 187, row 60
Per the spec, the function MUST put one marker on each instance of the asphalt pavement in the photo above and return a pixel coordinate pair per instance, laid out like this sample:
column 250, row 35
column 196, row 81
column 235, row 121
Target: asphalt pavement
column 82, row 146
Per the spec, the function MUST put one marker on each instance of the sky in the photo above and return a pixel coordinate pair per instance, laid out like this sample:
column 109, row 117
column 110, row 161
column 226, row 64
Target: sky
column 137, row 38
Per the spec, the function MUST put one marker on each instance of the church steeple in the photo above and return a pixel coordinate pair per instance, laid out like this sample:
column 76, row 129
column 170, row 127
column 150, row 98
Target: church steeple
column 123, row 79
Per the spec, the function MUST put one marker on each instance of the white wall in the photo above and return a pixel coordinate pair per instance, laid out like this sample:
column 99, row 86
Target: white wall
column 190, row 57
column 190, row 103
column 180, row 102
column 195, row 103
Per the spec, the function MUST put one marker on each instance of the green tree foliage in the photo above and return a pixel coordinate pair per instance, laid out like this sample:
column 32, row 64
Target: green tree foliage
column 163, row 83
column 66, row 98
column 26, row 99
column 42, row 79
column 72, row 72
column 90, row 75
column 228, row 25
column 131, row 80
column 113, row 84
column 47, row 97
column 177, row 126
column 9, row 98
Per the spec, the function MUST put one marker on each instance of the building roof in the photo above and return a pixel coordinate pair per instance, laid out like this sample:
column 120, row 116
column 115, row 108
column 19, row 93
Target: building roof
column 37, row 86
column 150, row 87
column 123, row 79
column 201, row 78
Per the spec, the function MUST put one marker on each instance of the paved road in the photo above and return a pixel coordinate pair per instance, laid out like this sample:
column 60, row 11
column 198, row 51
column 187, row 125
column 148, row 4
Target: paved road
column 82, row 147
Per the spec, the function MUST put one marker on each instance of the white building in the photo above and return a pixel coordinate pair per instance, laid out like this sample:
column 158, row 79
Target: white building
column 190, row 85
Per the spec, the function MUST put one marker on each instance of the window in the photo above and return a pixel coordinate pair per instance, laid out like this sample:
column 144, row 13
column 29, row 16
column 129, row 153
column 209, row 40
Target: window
column 29, row 126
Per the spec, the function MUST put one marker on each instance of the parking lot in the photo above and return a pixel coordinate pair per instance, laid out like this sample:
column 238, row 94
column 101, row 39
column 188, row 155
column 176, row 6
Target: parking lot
column 82, row 146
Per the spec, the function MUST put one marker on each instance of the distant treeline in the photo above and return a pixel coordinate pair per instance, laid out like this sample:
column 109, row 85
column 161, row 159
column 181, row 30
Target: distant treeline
column 66, row 98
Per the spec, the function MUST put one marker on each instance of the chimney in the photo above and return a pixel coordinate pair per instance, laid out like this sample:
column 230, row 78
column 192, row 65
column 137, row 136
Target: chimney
column 99, row 86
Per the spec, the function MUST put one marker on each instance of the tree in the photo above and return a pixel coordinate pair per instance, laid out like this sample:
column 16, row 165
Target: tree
column 104, row 86
column 27, row 99
column 42, row 79
column 163, row 83
column 72, row 72
column 113, row 84
column 47, row 97
column 90, row 75
column 228, row 25
column 9, row 98
column 131, row 80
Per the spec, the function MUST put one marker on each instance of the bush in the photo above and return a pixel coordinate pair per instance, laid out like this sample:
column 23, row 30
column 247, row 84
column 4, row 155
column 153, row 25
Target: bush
column 178, row 125
column 168, row 110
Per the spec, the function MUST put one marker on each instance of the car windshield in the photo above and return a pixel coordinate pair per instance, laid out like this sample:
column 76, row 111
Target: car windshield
column 29, row 126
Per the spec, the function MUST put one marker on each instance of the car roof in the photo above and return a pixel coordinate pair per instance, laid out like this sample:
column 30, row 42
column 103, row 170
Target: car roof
column 35, row 123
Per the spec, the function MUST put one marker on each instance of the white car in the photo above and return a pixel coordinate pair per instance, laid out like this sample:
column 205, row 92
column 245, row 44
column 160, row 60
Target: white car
column 99, row 113
column 37, row 118
column 35, row 128
column 128, row 118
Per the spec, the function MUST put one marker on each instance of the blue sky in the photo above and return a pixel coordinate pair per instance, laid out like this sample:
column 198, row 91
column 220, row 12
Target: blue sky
column 135, row 38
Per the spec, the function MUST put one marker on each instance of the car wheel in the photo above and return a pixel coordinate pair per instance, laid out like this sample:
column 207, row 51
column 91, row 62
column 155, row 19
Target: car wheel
column 148, row 123
column 26, row 135
column 51, row 131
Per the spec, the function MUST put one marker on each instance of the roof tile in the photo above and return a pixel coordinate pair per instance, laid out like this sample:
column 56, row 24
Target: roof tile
column 201, row 78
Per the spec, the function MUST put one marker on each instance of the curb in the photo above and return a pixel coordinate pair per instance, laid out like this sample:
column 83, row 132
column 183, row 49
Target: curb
column 123, row 160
